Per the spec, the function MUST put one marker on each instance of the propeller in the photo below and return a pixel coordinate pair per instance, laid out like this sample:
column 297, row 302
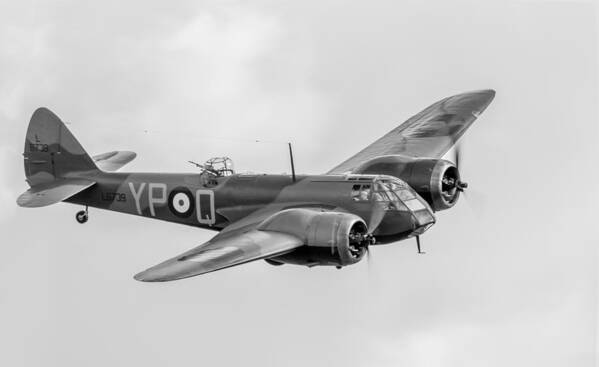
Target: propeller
column 456, row 154
column 376, row 217
column 459, row 184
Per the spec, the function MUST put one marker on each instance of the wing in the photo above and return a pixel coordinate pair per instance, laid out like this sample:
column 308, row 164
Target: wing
column 238, row 243
column 430, row 133
column 113, row 161
column 220, row 253
column 53, row 192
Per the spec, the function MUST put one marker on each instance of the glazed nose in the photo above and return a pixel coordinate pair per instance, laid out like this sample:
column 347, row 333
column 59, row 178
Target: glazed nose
column 423, row 219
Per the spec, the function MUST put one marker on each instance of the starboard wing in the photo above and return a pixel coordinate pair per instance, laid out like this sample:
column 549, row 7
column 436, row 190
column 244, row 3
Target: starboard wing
column 430, row 133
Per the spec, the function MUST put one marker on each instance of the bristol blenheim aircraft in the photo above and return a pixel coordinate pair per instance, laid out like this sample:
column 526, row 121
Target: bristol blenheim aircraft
column 387, row 192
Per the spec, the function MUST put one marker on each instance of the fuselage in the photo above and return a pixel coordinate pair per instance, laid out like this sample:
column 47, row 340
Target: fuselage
column 214, row 203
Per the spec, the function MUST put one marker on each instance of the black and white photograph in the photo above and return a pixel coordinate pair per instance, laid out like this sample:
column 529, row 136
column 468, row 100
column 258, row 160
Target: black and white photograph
column 299, row 183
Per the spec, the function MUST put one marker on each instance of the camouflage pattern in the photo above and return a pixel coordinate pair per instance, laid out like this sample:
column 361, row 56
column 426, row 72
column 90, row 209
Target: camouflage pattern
column 312, row 220
column 233, row 198
column 430, row 133
column 52, row 152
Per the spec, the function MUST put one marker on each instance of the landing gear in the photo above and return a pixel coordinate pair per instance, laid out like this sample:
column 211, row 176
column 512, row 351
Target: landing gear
column 418, row 244
column 82, row 216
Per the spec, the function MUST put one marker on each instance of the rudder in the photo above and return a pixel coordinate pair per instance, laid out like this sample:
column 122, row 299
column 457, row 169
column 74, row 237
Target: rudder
column 51, row 150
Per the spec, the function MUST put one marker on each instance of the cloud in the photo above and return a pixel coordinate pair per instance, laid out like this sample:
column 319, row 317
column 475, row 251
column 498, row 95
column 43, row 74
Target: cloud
column 332, row 77
column 9, row 164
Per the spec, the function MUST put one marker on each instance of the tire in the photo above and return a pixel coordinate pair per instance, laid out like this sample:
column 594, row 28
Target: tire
column 81, row 217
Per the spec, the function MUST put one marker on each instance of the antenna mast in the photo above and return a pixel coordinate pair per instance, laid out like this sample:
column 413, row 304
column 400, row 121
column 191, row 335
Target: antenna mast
column 292, row 166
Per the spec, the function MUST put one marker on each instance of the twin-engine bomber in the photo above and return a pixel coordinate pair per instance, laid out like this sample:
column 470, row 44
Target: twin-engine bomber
column 385, row 193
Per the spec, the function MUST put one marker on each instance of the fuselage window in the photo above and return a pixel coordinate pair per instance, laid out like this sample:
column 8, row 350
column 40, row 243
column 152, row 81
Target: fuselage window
column 360, row 192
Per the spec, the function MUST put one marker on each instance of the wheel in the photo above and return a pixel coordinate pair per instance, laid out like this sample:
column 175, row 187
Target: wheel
column 81, row 216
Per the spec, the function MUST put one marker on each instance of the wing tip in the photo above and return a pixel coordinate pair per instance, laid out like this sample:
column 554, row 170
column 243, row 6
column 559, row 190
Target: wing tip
column 141, row 277
column 163, row 272
column 477, row 100
column 488, row 93
column 146, row 277
column 480, row 94
column 486, row 96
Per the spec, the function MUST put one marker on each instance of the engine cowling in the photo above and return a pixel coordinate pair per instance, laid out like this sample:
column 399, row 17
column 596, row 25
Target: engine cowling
column 436, row 180
column 330, row 238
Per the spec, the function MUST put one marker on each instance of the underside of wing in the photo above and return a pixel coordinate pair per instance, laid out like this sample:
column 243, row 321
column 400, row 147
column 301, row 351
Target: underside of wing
column 430, row 133
column 52, row 192
column 222, row 252
column 113, row 161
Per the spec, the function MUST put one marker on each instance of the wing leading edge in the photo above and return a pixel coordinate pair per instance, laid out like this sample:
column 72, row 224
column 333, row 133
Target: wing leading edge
column 430, row 133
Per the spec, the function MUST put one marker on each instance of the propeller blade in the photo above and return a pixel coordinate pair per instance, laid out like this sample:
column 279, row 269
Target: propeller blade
column 456, row 155
column 378, row 213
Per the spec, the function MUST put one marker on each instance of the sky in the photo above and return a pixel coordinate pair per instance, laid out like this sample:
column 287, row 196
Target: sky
column 509, row 277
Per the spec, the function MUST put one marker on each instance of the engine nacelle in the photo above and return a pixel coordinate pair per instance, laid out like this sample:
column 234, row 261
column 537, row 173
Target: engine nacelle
column 436, row 180
column 330, row 238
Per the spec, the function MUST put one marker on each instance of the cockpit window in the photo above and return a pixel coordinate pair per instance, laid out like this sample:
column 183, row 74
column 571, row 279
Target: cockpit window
column 360, row 192
column 405, row 195
column 398, row 195
column 395, row 194
column 381, row 195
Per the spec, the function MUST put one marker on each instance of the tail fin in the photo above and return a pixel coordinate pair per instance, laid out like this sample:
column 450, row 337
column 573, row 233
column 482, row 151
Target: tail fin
column 51, row 151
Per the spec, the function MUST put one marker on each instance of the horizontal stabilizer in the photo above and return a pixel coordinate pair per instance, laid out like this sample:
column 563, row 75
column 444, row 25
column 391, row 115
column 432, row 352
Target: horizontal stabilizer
column 52, row 192
column 113, row 161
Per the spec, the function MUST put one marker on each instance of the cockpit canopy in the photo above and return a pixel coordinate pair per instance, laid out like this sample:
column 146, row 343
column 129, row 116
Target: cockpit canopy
column 395, row 193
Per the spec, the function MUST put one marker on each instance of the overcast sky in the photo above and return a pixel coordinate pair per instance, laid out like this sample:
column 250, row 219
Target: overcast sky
column 509, row 277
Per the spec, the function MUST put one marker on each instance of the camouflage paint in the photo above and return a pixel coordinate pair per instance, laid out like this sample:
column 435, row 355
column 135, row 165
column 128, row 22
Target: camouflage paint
column 302, row 221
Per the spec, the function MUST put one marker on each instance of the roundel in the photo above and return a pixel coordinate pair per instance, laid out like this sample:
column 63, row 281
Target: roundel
column 180, row 202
